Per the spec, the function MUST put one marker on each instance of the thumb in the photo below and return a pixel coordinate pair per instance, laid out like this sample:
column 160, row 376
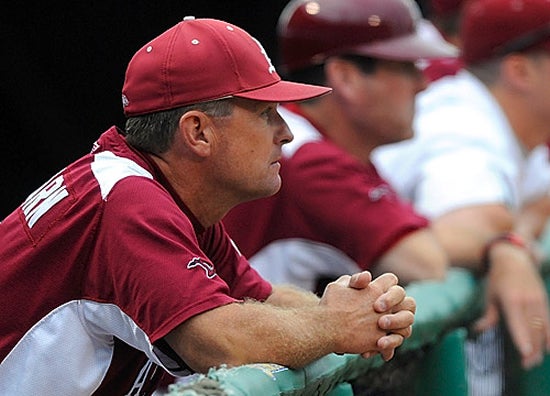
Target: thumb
column 343, row 280
column 489, row 319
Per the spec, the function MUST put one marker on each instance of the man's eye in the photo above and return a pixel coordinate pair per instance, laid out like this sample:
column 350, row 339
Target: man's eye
column 267, row 112
column 270, row 113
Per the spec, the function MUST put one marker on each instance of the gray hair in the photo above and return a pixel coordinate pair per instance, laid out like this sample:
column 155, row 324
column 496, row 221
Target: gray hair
column 154, row 133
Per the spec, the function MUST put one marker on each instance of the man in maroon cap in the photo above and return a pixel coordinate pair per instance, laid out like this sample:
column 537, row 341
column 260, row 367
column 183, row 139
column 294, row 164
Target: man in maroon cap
column 118, row 268
column 478, row 160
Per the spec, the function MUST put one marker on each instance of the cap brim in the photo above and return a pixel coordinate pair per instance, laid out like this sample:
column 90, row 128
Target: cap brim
column 411, row 47
column 545, row 45
column 284, row 91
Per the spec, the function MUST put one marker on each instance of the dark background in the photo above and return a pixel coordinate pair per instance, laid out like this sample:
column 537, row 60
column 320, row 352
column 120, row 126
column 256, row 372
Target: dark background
column 62, row 66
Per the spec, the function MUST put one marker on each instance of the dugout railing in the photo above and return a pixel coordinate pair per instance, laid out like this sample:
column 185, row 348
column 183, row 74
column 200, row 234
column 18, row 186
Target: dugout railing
column 431, row 362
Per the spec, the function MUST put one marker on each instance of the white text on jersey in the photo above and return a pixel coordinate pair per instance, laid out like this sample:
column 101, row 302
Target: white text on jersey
column 38, row 203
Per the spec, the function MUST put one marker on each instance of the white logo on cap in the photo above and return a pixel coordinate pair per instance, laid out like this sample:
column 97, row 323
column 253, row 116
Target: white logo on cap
column 271, row 68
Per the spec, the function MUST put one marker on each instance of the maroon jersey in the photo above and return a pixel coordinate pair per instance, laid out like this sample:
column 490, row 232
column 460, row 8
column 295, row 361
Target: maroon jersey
column 333, row 214
column 98, row 265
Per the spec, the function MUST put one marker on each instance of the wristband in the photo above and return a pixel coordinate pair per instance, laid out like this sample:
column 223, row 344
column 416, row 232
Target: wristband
column 508, row 237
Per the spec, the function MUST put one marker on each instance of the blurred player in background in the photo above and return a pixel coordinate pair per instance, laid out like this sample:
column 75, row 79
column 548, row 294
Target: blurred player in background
column 478, row 161
column 334, row 214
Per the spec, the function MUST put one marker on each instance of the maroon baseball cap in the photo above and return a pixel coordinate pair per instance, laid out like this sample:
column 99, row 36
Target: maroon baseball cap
column 493, row 28
column 443, row 8
column 200, row 60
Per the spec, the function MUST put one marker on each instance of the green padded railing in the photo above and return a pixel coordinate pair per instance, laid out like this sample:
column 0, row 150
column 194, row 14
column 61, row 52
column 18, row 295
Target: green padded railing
column 441, row 307
column 430, row 362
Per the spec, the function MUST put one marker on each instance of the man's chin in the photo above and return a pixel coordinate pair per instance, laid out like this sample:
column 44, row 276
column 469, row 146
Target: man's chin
column 268, row 191
column 406, row 135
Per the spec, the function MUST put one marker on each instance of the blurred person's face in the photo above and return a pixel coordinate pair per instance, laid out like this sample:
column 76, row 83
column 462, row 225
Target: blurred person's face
column 539, row 89
column 381, row 102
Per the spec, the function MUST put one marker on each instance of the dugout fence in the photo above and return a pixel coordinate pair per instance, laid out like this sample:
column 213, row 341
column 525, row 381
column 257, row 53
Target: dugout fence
column 429, row 363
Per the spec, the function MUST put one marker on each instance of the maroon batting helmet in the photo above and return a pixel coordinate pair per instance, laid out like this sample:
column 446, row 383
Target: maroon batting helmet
column 309, row 31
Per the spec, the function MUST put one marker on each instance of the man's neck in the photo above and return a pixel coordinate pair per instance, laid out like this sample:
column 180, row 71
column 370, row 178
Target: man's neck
column 528, row 127
column 336, row 127
column 207, row 206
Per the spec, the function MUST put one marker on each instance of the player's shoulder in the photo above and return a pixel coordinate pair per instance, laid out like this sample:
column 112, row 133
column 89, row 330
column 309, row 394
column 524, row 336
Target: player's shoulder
column 122, row 180
column 457, row 108
column 453, row 94
column 109, row 169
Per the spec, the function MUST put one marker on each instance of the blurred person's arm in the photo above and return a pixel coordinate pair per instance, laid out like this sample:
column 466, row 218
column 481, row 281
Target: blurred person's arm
column 417, row 256
column 533, row 218
column 464, row 232
column 472, row 235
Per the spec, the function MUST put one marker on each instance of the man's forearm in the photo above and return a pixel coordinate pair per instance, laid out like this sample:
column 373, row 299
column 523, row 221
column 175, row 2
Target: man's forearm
column 291, row 296
column 533, row 218
column 251, row 332
column 347, row 319
column 465, row 232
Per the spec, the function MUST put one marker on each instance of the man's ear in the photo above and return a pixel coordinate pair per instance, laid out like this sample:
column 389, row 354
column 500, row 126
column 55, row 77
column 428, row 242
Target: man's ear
column 196, row 133
column 342, row 75
column 517, row 70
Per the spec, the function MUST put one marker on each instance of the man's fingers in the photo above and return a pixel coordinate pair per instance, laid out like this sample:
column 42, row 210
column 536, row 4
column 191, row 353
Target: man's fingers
column 391, row 298
column 489, row 319
column 408, row 304
column 343, row 280
column 537, row 328
column 368, row 355
column 360, row 280
column 524, row 338
column 400, row 322
column 387, row 354
column 387, row 345
column 385, row 281
column 529, row 333
column 404, row 332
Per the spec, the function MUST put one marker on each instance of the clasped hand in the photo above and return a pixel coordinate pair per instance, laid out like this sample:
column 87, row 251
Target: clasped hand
column 375, row 315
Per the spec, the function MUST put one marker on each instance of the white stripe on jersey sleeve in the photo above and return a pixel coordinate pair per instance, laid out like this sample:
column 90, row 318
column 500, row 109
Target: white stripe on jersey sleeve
column 109, row 169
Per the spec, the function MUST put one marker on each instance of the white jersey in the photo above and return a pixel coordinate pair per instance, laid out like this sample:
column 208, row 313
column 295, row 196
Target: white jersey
column 464, row 152
column 334, row 215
